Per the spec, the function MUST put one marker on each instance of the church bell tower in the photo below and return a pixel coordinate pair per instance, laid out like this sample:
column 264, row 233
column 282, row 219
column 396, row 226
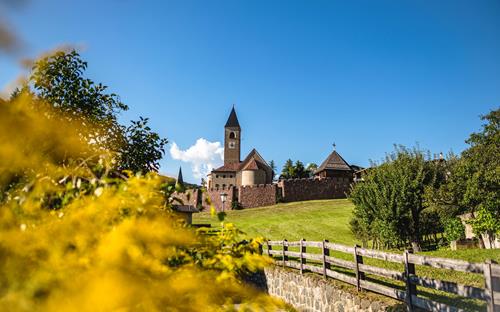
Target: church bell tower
column 232, row 139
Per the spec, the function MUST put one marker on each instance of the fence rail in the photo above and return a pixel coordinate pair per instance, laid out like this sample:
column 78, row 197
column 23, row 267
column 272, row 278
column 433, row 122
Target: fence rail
column 321, row 263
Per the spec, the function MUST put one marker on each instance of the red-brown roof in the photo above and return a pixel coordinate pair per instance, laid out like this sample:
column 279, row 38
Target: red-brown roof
column 253, row 161
column 251, row 165
column 228, row 168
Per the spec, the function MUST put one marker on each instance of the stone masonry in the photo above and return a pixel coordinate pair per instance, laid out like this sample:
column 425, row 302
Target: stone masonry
column 312, row 293
column 257, row 195
column 312, row 189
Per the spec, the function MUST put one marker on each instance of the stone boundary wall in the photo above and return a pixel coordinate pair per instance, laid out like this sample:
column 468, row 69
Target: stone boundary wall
column 310, row 189
column 214, row 195
column 189, row 197
column 257, row 195
column 312, row 293
column 265, row 194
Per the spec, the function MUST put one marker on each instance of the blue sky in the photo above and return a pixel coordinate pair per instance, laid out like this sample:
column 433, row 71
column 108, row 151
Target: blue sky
column 302, row 74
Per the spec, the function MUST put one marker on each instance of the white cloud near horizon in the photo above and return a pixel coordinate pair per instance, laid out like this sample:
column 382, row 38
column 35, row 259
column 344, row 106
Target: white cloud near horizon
column 203, row 156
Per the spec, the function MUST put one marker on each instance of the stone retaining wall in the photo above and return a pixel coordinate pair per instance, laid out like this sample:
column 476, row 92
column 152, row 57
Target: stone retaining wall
column 214, row 195
column 312, row 189
column 257, row 195
column 188, row 197
column 312, row 293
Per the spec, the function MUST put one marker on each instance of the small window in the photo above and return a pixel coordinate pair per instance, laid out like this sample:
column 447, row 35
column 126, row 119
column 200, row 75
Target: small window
column 223, row 186
column 216, row 175
column 216, row 186
column 232, row 135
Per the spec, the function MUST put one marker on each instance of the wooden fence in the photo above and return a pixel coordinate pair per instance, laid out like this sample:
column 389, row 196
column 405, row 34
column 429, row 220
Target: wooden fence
column 322, row 263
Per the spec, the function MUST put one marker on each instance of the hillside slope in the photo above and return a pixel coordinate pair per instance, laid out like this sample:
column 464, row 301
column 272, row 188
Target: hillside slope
column 312, row 220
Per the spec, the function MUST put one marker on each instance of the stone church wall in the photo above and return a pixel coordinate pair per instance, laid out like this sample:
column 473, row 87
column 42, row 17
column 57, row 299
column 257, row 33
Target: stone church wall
column 257, row 195
column 265, row 194
column 189, row 197
column 311, row 189
column 214, row 196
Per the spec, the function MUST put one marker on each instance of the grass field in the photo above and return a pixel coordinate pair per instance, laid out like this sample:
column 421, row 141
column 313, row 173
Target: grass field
column 316, row 220
column 329, row 219
column 312, row 220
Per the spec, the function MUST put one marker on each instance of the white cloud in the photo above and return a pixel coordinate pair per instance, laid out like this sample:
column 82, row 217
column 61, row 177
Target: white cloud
column 203, row 156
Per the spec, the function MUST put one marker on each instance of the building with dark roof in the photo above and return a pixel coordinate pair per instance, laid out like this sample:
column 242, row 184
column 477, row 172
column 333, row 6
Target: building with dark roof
column 336, row 168
column 251, row 171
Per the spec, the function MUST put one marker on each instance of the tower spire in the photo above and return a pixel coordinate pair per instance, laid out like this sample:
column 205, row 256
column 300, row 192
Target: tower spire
column 179, row 183
column 232, row 121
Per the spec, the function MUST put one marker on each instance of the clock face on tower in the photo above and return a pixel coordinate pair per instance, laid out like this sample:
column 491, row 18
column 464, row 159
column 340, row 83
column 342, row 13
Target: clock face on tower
column 232, row 144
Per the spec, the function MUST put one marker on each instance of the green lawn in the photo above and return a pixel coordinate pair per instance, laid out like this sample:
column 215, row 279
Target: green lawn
column 316, row 220
column 329, row 219
column 312, row 220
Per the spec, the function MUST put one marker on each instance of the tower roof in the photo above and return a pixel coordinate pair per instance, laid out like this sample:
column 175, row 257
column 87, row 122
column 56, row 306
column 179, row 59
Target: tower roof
column 232, row 121
column 180, row 180
column 334, row 162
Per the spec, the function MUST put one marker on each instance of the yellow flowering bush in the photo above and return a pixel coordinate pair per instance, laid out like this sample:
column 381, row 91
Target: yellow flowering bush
column 75, row 236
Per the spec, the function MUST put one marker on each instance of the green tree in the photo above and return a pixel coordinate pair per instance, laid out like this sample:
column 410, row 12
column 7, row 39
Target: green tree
column 300, row 170
column 273, row 168
column 59, row 80
column 295, row 170
column 311, row 169
column 454, row 229
column 143, row 148
column 474, row 181
column 390, row 203
column 288, row 170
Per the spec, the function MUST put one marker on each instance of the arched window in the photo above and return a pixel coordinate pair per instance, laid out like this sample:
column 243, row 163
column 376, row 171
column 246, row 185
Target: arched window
column 232, row 135
column 216, row 186
column 223, row 186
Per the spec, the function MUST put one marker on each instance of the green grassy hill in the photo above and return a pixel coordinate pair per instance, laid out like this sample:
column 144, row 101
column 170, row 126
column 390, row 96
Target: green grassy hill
column 329, row 219
column 312, row 220
column 316, row 220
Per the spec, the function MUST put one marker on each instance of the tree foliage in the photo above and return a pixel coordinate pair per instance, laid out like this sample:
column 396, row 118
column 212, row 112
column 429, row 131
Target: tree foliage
column 295, row 170
column 59, row 80
column 478, row 176
column 75, row 238
column 143, row 148
column 390, row 206
column 272, row 164
column 454, row 229
column 473, row 183
column 311, row 168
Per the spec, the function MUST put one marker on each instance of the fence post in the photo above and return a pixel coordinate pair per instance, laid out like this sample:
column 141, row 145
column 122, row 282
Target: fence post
column 491, row 284
column 302, row 259
column 326, row 252
column 357, row 261
column 411, row 289
column 285, row 249
column 269, row 248
column 495, row 286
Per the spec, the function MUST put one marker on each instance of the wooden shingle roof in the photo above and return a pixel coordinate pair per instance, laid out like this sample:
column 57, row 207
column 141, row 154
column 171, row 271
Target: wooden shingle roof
column 334, row 162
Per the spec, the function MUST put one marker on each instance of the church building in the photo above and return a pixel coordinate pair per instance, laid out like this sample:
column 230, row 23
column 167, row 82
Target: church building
column 252, row 170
